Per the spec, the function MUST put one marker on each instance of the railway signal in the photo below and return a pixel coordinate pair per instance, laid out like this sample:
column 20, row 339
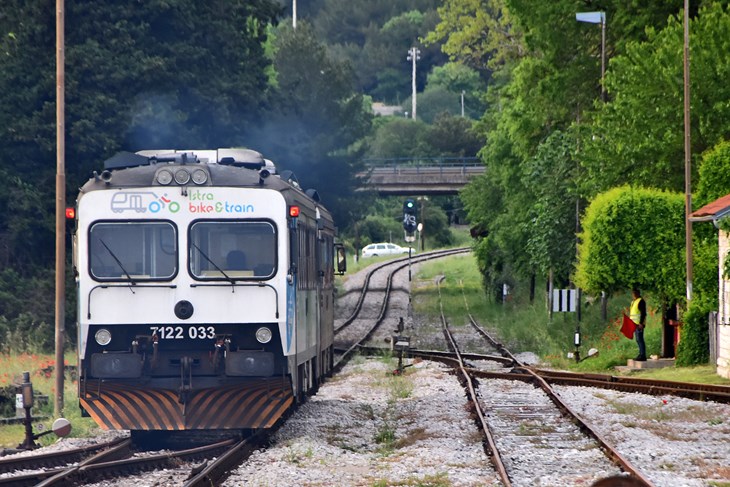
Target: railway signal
column 409, row 225
column 409, row 217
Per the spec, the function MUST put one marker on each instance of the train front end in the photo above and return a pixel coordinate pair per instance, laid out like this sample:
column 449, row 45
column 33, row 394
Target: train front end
column 183, row 279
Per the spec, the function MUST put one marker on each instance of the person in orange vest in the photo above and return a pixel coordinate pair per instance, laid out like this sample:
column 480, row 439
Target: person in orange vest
column 637, row 313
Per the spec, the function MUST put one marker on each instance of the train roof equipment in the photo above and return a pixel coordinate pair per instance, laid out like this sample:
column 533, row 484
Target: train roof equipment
column 172, row 167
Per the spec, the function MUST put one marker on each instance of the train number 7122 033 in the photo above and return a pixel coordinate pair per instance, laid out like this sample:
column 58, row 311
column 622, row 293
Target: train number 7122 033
column 181, row 333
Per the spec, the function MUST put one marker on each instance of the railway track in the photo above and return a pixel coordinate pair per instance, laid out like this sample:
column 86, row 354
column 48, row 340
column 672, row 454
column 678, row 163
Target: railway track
column 543, row 445
column 114, row 460
column 520, row 408
column 512, row 379
column 514, row 409
column 119, row 459
column 355, row 331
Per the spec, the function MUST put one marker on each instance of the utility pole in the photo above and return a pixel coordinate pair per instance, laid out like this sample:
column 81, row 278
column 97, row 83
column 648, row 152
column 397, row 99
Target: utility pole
column 603, row 57
column 294, row 14
column 462, row 103
column 687, row 157
column 60, row 206
column 414, row 54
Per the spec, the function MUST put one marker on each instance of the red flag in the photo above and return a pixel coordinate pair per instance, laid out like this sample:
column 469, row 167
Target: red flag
column 628, row 327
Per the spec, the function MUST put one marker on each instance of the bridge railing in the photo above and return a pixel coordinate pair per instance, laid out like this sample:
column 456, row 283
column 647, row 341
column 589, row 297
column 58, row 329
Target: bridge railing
column 418, row 163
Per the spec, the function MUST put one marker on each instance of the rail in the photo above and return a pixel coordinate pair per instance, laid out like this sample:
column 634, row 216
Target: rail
column 422, row 162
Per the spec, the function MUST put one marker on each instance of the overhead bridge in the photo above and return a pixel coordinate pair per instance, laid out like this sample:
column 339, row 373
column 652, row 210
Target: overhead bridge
column 419, row 176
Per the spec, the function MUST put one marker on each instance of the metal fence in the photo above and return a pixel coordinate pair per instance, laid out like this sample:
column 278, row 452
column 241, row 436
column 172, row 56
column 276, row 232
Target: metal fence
column 713, row 332
column 416, row 162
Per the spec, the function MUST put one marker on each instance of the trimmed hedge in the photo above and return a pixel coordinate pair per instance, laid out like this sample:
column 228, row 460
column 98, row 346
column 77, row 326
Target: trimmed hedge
column 633, row 236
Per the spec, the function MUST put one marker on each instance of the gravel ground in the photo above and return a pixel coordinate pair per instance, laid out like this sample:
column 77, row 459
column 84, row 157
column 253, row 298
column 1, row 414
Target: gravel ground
column 675, row 441
column 369, row 427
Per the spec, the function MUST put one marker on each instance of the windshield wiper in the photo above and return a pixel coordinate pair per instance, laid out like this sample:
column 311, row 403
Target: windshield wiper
column 119, row 262
column 230, row 279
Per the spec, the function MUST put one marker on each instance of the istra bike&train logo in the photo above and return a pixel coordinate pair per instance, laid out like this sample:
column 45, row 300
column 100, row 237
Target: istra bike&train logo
column 200, row 202
column 142, row 202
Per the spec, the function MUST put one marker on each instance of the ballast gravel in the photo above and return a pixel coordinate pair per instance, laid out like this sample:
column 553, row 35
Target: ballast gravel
column 336, row 438
column 370, row 427
column 675, row 441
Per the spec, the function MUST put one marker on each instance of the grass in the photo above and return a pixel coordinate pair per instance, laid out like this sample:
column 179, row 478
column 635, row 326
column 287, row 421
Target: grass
column 392, row 432
column 43, row 379
column 524, row 326
column 520, row 325
column 699, row 373
column 297, row 455
column 437, row 480
column 460, row 237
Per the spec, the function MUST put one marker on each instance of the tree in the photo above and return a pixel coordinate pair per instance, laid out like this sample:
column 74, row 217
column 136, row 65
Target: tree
column 163, row 74
column 551, row 243
column 317, row 117
column 434, row 102
column 453, row 136
column 435, row 224
column 714, row 175
column 541, row 83
column 713, row 183
column 397, row 137
column 478, row 33
column 638, row 136
column 132, row 80
column 544, row 78
column 375, row 35
column 460, row 80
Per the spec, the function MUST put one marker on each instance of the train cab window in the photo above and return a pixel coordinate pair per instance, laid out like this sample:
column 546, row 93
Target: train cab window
column 232, row 250
column 132, row 251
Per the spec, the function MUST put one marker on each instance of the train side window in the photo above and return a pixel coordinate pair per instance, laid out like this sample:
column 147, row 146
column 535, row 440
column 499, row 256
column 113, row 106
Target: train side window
column 133, row 250
column 341, row 258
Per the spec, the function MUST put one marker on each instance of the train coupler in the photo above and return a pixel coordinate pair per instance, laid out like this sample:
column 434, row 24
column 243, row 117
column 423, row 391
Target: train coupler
column 186, row 379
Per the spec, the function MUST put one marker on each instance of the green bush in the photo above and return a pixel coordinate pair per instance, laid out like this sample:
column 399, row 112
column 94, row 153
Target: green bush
column 27, row 322
column 694, row 343
column 633, row 236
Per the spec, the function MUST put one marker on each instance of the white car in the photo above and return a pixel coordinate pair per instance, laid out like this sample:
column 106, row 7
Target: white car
column 384, row 248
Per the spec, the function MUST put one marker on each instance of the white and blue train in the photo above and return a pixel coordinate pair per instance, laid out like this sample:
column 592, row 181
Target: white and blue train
column 205, row 291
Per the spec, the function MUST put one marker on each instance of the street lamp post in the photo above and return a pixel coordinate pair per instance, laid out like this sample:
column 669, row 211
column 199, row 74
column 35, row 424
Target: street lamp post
column 597, row 18
column 413, row 55
column 591, row 18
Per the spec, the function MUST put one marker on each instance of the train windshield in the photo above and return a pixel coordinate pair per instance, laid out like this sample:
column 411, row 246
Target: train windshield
column 233, row 250
column 133, row 251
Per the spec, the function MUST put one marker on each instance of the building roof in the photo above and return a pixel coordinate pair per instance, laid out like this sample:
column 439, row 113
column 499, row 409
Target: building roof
column 386, row 110
column 712, row 211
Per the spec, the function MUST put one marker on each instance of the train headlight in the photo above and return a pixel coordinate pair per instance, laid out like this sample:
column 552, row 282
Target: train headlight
column 263, row 335
column 182, row 176
column 200, row 176
column 103, row 337
column 164, row 177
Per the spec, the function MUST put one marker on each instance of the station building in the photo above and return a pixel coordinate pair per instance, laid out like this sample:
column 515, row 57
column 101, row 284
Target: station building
column 720, row 332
